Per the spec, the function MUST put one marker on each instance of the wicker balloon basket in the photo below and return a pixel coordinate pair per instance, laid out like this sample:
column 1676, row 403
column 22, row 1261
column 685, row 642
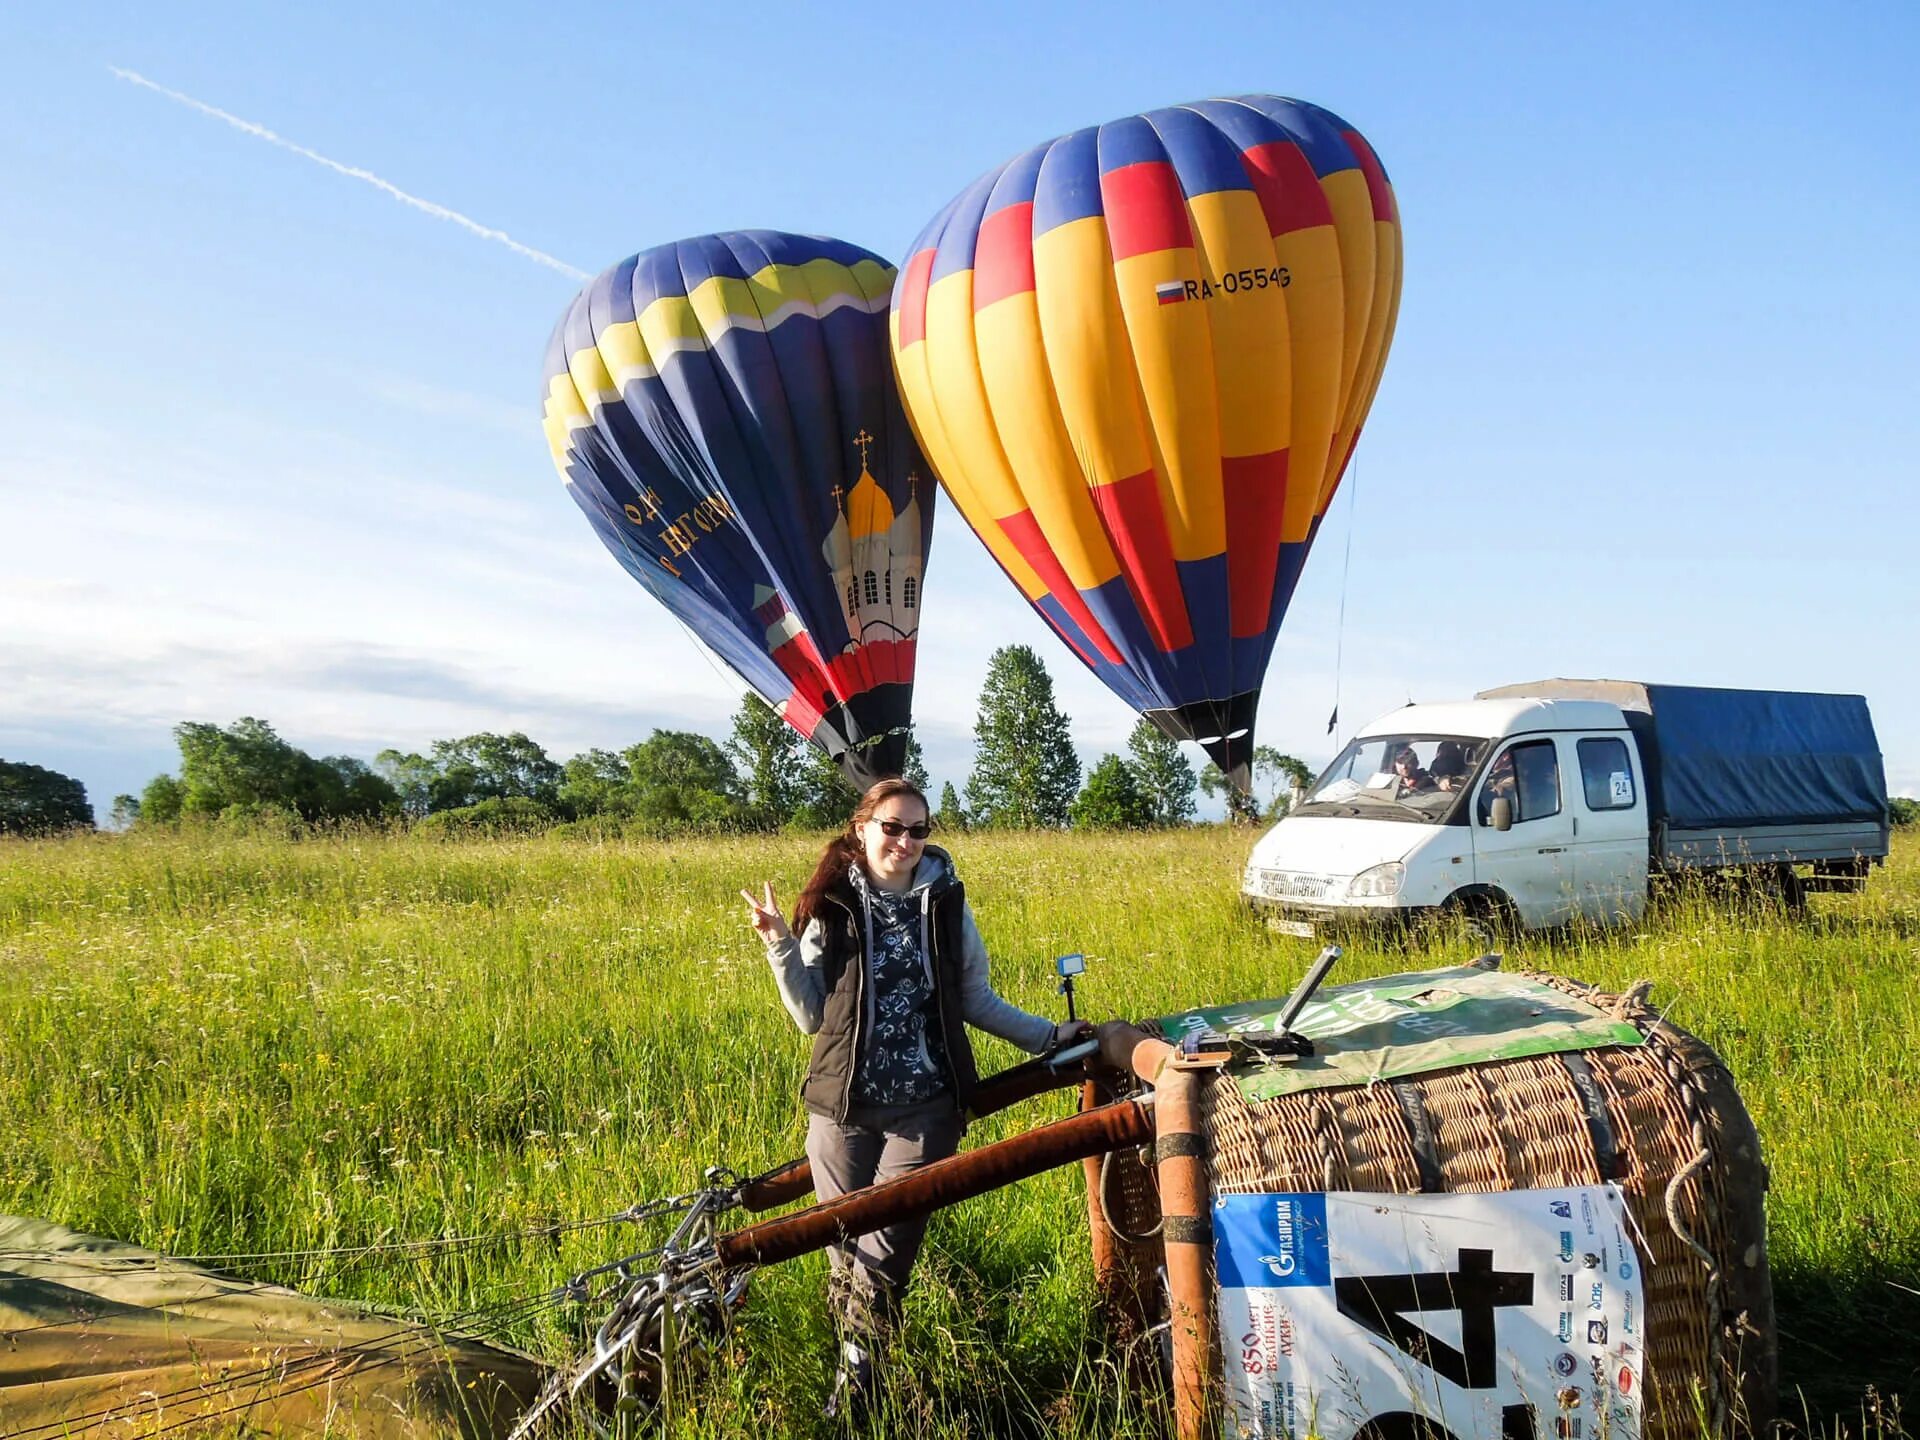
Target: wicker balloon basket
column 1661, row 1119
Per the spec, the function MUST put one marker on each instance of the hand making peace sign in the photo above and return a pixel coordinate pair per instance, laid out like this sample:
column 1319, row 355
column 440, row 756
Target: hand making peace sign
column 764, row 914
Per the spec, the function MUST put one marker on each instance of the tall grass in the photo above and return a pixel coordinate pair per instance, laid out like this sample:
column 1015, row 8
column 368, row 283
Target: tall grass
column 216, row 1046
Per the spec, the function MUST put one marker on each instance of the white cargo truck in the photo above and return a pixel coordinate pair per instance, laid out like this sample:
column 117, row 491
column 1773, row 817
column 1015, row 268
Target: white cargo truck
column 1536, row 805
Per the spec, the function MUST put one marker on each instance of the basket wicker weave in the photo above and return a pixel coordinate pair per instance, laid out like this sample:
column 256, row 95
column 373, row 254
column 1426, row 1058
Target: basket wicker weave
column 1662, row 1119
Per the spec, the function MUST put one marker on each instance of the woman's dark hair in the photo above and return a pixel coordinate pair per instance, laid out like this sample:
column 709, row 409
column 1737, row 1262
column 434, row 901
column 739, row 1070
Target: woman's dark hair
column 846, row 847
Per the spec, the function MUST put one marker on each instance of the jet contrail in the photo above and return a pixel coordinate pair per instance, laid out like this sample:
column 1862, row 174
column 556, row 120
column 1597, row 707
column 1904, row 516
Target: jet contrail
column 352, row 172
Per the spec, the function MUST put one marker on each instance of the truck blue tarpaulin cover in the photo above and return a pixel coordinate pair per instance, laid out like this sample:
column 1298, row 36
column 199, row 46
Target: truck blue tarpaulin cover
column 1720, row 759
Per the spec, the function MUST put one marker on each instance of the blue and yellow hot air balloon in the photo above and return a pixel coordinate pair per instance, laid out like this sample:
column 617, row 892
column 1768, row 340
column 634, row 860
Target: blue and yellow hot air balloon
column 724, row 412
column 1139, row 357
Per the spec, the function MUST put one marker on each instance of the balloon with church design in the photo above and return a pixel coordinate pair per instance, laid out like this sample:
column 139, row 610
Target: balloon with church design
column 1139, row 357
column 723, row 411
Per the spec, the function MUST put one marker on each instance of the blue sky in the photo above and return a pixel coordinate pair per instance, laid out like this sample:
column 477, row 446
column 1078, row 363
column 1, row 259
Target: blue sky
column 269, row 439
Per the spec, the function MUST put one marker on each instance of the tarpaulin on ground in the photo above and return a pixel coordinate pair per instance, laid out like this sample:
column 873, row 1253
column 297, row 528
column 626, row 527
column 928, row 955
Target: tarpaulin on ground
column 100, row 1338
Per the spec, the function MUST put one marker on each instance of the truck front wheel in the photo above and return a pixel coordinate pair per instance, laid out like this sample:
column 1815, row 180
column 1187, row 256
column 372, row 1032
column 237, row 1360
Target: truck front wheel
column 1485, row 921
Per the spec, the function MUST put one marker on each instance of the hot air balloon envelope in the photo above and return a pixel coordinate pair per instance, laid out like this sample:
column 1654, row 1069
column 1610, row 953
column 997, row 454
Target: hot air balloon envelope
column 724, row 413
column 1139, row 357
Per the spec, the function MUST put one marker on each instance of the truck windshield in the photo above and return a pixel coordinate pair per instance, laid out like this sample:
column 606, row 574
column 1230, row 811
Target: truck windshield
column 1397, row 777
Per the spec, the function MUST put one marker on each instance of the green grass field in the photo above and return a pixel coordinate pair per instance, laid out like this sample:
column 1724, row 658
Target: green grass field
column 215, row 1046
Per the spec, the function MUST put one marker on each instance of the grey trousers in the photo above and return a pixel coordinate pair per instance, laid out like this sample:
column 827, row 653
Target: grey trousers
column 875, row 1143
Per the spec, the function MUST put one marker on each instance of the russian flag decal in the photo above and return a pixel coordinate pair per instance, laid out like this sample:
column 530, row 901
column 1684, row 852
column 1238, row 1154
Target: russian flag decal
column 1170, row 292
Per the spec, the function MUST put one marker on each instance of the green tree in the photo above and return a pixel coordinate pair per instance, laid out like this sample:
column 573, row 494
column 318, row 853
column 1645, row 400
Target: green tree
column 1024, row 770
column 1903, row 810
column 411, row 776
column 491, row 767
column 828, row 797
column 343, row 788
column 1242, row 809
column 595, row 782
column 915, row 770
column 37, row 801
column 767, row 751
column 246, row 763
column 125, row 813
column 247, row 767
column 1284, row 773
column 1163, row 773
column 160, row 802
column 951, row 815
column 1113, row 799
column 678, row 779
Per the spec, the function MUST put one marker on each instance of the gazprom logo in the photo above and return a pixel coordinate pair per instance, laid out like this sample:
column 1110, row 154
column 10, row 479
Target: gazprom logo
column 1268, row 1241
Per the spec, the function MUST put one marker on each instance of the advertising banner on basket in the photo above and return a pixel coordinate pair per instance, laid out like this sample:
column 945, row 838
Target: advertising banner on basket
column 1349, row 1316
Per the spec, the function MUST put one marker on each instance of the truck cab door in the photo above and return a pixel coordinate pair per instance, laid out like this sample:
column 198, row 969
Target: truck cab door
column 1611, row 851
column 1532, row 863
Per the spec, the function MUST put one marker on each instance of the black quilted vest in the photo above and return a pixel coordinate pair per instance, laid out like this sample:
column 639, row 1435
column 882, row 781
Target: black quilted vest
column 828, row 1088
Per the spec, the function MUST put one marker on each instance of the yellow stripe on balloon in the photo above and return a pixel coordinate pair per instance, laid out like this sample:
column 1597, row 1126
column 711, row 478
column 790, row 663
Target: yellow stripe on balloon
column 978, row 478
column 923, row 415
column 590, row 378
column 1373, row 361
column 1352, row 204
column 1247, row 323
column 1013, row 367
column 670, row 325
column 565, row 413
column 624, row 353
column 1174, row 359
column 1088, row 351
column 1316, row 326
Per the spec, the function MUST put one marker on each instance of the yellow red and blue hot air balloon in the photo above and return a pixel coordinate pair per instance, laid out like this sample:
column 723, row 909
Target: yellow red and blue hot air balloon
column 1139, row 357
column 723, row 411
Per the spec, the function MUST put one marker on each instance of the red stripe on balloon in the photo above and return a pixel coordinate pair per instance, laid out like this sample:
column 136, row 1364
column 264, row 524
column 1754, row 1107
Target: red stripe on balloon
column 883, row 660
column 1145, row 208
column 802, row 714
column 1137, row 526
column 1003, row 255
column 800, row 661
column 1289, row 191
column 1255, row 490
column 1024, row 532
column 913, row 299
column 1378, row 190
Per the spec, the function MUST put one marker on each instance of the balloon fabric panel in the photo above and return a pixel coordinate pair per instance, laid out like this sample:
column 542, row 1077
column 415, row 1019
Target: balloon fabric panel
column 723, row 410
column 1139, row 356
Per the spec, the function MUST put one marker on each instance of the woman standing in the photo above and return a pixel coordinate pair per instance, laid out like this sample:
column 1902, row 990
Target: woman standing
column 886, row 972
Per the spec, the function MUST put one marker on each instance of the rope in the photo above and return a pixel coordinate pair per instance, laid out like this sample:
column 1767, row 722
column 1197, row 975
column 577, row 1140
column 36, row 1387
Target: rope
column 1346, row 570
column 1106, row 1207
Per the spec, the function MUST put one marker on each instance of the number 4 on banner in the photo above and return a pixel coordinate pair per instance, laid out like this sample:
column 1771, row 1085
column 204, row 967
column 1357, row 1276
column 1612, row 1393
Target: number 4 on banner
column 1380, row 1303
column 1516, row 1423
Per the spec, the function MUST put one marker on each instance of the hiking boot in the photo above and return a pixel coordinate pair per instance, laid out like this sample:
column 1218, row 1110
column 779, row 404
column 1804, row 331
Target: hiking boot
column 852, row 1393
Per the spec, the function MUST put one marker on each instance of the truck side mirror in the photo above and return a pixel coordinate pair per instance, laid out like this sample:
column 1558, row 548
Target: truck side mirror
column 1503, row 812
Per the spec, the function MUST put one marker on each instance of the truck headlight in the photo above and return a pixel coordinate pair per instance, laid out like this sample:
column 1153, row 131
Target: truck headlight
column 1380, row 880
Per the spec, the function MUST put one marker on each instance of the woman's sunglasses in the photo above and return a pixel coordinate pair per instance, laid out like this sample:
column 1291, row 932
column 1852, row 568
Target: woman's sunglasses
column 893, row 829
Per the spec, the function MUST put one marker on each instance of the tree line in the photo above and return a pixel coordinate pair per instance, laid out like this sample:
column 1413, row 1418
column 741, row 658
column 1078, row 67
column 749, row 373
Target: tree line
column 763, row 776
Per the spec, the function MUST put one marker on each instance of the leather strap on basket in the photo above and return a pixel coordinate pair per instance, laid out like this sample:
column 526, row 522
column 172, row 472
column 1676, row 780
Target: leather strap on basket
column 1600, row 1133
column 1426, row 1150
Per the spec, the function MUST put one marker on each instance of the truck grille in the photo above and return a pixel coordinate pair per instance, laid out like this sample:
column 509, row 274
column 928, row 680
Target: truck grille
column 1289, row 884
